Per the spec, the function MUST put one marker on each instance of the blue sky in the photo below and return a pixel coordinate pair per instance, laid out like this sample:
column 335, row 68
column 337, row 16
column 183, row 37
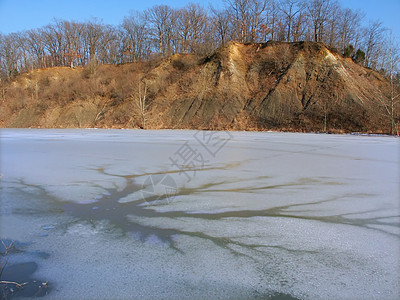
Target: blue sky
column 18, row 15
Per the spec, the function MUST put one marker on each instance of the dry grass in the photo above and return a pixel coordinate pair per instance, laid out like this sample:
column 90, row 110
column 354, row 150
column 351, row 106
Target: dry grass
column 300, row 86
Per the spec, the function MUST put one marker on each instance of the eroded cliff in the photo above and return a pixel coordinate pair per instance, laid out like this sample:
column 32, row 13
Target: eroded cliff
column 283, row 86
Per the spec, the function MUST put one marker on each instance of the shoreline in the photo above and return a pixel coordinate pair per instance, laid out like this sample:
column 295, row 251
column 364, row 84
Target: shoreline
column 339, row 132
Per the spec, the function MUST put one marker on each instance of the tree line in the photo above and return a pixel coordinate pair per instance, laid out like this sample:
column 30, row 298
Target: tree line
column 162, row 30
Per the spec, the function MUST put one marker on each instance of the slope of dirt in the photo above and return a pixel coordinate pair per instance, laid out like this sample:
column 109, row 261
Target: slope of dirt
column 283, row 86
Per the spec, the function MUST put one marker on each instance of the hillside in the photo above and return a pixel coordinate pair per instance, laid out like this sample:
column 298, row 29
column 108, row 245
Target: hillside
column 281, row 86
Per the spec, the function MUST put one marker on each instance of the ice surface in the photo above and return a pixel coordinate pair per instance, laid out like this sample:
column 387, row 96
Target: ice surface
column 307, row 216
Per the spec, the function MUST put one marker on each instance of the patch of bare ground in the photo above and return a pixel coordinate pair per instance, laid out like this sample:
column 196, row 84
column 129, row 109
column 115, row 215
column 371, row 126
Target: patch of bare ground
column 299, row 86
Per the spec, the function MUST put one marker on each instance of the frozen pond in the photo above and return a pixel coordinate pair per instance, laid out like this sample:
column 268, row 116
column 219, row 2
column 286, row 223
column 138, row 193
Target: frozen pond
column 123, row 214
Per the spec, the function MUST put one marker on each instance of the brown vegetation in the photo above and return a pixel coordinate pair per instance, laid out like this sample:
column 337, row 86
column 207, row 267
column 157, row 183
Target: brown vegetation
column 300, row 86
column 162, row 31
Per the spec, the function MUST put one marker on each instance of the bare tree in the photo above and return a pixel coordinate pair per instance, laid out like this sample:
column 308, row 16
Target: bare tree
column 29, row 61
column 2, row 59
column 269, row 28
column 221, row 23
column 257, row 17
column 183, row 22
column 108, row 45
column 172, row 41
column 391, row 104
column 332, row 25
column 159, row 19
column 140, row 99
column 290, row 8
column 72, row 33
column 299, row 25
column 239, row 12
column 349, row 28
column 373, row 38
column 36, row 46
column 318, row 13
column 10, row 54
column 136, row 34
column 247, row 16
column 53, row 41
column 394, row 60
column 93, row 33
column 192, row 29
column 191, row 24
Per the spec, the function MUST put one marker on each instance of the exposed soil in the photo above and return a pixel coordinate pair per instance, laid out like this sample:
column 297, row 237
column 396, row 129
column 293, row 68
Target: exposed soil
column 299, row 86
